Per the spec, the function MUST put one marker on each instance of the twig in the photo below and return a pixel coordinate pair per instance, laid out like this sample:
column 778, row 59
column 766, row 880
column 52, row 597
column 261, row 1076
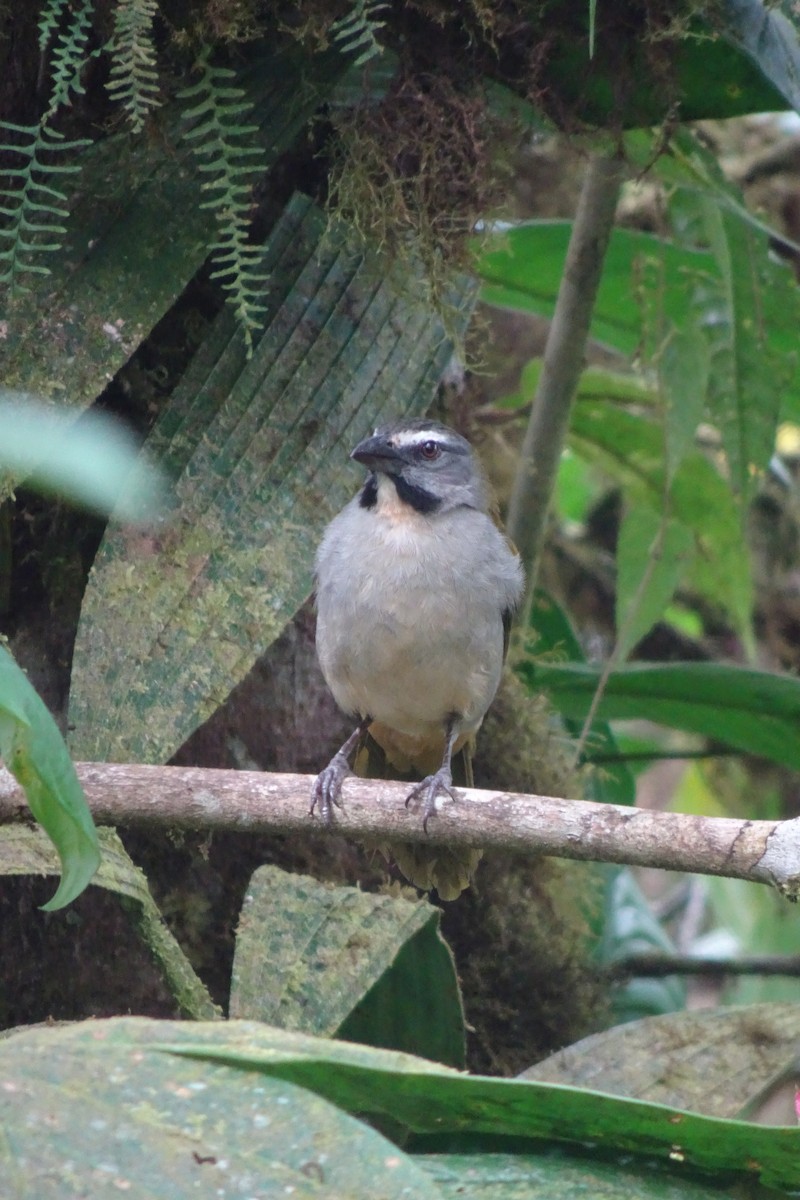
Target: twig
column 255, row 802
column 563, row 360
column 659, row 965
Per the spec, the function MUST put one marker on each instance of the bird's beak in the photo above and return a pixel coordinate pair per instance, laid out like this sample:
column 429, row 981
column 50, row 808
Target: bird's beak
column 377, row 454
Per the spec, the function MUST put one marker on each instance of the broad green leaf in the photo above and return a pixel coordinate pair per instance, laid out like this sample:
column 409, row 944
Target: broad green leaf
column 83, row 461
column 25, row 851
column 629, row 447
column 555, row 639
column 595, row 383
column 749, row 373
column 556, row 1175
column 753, row 711
column 131, row 1067
column 522, row 269
column 34, row 752
column 768, row 38
column 137, row 234
column 711, row 1061
column 683, row 371
column 321, row 959
column 639, row 71
column 688, row 163
column 434, row 1104
column 258, row 450
column 652, row 552
column 98, row 1110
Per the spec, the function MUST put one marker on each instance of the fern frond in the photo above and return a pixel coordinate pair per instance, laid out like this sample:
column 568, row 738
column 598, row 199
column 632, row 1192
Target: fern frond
column 32, row 214
column 357, row 32
column 49, row 21
column 133, row 80
column 69, row 58
column 229, row 162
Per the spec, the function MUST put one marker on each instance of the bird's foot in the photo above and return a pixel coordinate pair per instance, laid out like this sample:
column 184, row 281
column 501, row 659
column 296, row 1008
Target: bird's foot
column 432, row 786
column 327, row 789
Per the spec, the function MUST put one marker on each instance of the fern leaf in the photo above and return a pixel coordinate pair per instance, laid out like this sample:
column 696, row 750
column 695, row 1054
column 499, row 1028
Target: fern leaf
column 69, row 57
column 49, row 21
column 133, row 80
column 35, row 210
column 229, row 163
column 357, row 31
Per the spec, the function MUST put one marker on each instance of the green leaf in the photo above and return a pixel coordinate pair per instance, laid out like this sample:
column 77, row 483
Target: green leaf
column 683, row 370
column 25, row 851
column 651, row 555
column 753, row 711
column 555, row 637
column 432, row 1103
column 749, row 371
column 99, row 1109
column 629, row 447
column 522, row 270
column 711, row 1061
column 556, row 1175
column 321, row 959
column 205, row 1077
column 35, row 754
column 77, row 327
column 258, row 450
column 768, row 38
column 85, row 461
column 723, row 61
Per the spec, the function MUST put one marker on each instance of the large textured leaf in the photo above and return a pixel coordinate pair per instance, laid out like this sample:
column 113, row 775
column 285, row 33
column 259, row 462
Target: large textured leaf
column 136, row 236
column 92, row 1111
column 431, row 1103
column 712, row 1061
column 321, row 959
column 26, row 851
column 258, row 450
column 408, row 1094
column 34, row 752
column 753, row 711
column 560, row 1176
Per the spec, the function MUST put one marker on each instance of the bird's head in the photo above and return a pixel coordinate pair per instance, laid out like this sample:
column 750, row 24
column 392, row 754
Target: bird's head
column 432, row 467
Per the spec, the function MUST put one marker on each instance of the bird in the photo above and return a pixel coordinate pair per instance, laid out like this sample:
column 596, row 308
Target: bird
column 416, row 586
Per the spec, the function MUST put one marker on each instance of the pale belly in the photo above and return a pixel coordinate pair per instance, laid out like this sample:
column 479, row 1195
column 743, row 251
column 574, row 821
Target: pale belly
column 413, row 672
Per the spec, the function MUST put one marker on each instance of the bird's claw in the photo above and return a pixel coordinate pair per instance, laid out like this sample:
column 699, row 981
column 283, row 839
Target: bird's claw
column 327, row 789
column 432, row 786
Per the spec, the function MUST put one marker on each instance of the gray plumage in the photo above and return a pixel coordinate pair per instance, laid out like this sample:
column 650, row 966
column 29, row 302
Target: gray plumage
column 414, row 581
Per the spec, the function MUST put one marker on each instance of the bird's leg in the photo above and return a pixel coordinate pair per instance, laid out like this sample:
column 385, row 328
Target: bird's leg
column 442, row 781
column 327, row 787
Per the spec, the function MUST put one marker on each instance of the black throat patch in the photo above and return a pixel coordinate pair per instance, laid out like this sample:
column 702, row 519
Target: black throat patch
column 369, row 492
column 416, row 497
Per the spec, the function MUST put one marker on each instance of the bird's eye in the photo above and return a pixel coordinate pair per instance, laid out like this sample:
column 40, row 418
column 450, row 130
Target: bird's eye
column 430, row 450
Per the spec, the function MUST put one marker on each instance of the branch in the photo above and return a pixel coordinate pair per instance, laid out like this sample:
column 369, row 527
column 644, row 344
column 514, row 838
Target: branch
column 564, row 357
column 257, row 802
column 659, row 965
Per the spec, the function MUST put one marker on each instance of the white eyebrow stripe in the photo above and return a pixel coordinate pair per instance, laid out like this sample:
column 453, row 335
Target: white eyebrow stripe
column 416, row 437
